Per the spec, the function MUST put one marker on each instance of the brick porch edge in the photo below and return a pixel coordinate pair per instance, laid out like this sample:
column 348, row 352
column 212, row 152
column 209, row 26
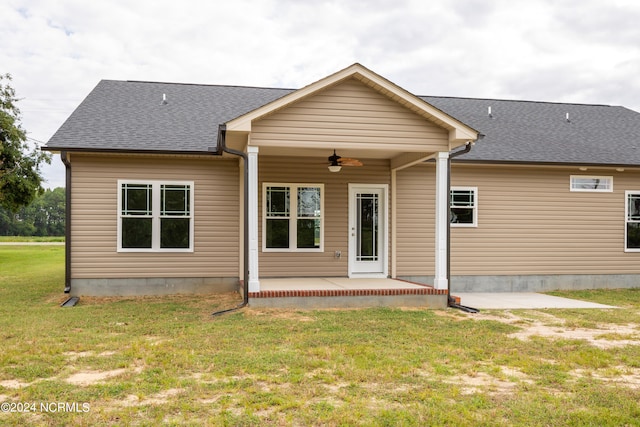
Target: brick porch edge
column 346, row 293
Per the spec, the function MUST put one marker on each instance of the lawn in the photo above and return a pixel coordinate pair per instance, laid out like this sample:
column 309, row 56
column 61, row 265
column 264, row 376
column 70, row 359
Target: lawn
column 167, row 361
column 41, row 239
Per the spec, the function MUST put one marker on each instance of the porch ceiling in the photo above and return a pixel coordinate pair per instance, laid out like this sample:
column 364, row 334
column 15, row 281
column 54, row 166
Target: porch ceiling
column 398, row 159
column 360, row 153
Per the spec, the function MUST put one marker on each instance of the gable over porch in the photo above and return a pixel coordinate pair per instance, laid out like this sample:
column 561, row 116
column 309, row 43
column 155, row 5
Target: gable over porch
column 287, row 142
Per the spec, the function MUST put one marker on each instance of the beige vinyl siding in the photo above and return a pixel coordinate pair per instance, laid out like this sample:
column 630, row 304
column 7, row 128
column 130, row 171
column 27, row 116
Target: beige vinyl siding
column 349, row 112
column 529, row 223
column 336, row 201
column 415, row 222
column 94, row 217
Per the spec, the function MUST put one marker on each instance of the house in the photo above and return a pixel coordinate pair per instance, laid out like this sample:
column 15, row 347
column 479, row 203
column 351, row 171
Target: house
column 178, row 188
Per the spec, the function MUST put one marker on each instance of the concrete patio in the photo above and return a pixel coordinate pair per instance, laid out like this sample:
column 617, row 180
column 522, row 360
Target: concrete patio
column 521, row 300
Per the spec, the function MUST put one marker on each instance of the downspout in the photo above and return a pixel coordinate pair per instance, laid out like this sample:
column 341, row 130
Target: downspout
column 222, row 148
column 451, row 302
column 67, row 223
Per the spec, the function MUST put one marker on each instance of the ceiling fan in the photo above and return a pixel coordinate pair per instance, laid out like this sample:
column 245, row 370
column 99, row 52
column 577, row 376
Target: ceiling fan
column 336, row 162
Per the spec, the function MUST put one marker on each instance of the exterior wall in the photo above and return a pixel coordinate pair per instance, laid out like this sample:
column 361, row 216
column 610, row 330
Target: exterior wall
column 415, row 222
column 213, row 265
column 349, row 112
column 532, row 231
column 336, row 201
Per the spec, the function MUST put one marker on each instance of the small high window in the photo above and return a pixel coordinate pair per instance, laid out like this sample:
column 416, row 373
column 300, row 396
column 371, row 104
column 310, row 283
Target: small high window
column 591, row 183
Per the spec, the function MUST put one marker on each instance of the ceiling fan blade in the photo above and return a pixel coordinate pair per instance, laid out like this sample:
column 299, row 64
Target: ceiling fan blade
column 350, row 162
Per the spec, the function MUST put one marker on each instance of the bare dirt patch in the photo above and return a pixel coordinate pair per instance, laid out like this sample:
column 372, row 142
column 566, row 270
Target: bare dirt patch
column 550, row 326
column 621, row 376
column 481, row 382
column 75, row 355
column 86, row 378
column 280, row 314
column 14, row 384
column 156, row 399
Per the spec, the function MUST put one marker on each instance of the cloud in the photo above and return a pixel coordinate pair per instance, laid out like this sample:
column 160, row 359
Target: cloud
column 585, row 51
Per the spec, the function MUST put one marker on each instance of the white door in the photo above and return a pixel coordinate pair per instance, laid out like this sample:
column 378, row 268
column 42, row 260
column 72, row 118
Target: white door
column 368, row 237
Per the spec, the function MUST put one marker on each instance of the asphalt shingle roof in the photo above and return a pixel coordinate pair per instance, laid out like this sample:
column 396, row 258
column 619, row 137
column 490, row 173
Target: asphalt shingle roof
column 124, row 115
column 525, row 131
column 121, row 115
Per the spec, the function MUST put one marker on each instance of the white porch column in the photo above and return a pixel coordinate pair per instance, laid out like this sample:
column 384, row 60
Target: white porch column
column 254, row 278
column 441, row 281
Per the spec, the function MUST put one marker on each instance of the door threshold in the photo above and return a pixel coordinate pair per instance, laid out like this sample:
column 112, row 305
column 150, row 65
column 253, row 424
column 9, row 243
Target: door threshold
column 368, row 276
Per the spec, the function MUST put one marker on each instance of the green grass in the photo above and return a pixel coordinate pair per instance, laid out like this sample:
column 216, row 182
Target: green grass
column 31, row 239
column 171, row 363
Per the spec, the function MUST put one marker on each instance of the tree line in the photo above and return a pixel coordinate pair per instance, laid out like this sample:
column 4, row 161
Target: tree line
column 44, row 216
column 26, row 209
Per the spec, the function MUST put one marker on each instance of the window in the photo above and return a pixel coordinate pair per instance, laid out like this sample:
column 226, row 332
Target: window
column 463, row 206
column 293, row 217
column 632, row 229
column 591, row 183
column 155, row 216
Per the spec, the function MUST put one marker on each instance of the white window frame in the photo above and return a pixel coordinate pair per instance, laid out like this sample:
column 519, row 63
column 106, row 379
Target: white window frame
column 293, row 217
column 155, row 215
column 474, row 207
column 627, row 220
column 573, row 184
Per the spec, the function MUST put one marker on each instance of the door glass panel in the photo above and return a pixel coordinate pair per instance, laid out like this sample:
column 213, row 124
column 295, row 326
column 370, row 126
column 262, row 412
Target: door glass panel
column 367, row 227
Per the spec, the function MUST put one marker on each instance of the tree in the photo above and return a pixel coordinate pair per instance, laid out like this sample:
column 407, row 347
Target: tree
column 20, row 175
column 45, row 216
column 49, row 213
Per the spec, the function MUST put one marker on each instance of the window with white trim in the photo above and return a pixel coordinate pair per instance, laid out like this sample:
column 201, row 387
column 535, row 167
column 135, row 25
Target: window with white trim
column 155, row 216
column 591, row 183
column 293, row 217
column 463, row 206
column 632, row 221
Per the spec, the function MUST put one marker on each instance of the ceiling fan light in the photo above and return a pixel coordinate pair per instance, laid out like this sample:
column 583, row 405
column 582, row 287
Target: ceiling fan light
column 335, row 168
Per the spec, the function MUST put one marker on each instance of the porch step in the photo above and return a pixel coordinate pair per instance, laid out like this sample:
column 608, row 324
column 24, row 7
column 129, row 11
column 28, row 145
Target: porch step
column 423, row 296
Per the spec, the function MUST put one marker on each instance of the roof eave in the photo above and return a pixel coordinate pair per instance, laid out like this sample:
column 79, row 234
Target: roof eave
column 544, row 163
column 209, row 152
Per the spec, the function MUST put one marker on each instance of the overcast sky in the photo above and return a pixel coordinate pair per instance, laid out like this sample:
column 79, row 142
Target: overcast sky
column 578, row 51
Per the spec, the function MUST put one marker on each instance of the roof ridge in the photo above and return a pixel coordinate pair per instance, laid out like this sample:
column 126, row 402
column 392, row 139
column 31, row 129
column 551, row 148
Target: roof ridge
column 517, row 100
column 200, row 84
column 420, row 96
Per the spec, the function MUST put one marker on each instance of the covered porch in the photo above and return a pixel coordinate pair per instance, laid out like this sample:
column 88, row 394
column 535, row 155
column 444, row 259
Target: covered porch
column 291, row 186
column 343, row 292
